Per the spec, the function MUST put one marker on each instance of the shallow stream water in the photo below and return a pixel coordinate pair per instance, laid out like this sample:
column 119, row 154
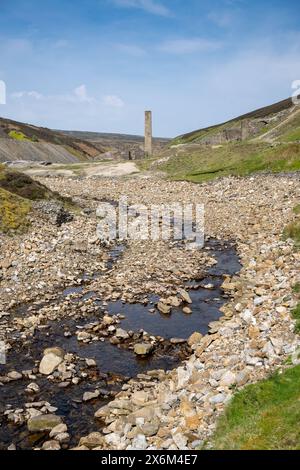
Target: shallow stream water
column 115, row 364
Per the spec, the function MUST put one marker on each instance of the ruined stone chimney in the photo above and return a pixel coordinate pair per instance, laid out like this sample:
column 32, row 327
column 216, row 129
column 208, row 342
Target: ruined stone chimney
column 245, row 129
column 148, row 133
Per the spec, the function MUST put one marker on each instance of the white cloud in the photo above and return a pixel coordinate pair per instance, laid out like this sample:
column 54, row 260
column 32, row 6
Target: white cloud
column 150, row 6
column 189, row 46
column 35, row 94
column 23, row 94
column 113, row 101
column 81, row 94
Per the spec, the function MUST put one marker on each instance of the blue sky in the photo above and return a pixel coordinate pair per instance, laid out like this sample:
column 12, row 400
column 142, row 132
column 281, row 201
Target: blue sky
column 98, row 64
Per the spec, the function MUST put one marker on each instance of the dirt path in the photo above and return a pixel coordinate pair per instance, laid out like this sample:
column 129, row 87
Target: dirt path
column 112, row 170
column 105, row 169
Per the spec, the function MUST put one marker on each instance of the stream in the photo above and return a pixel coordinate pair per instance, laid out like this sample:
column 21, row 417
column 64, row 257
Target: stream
column 115, row 364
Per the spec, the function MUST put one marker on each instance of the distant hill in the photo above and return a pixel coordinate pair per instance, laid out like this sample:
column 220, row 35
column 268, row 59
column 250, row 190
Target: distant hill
column 267, row 140
column 19, row 141
column 254, row 124
column 94, row 136
column 120, row 144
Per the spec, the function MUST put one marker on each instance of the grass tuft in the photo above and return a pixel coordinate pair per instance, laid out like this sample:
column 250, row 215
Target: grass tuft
column 296, row 316
column 263, row 416
column 292, row 230
column 13, row 212
column 17, row 135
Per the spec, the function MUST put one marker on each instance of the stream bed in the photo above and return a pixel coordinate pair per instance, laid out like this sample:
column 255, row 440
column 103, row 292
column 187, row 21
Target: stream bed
column 114, row 364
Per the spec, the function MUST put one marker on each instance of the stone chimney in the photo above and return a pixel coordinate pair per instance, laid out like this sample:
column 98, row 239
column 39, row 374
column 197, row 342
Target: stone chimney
column 148, row 133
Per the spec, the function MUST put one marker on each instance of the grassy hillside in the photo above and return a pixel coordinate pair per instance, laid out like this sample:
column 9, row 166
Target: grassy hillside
column 23, row 186
column 21, row 132
column 263, row 416
column 17, row 191
column 254, row 116
column 203, row 163
column 13, row 212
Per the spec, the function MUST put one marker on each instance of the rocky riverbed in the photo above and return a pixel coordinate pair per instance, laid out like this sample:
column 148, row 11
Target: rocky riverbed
column 108, row 348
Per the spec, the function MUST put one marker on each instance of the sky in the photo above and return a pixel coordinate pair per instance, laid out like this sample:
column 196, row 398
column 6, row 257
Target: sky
column 97, row 65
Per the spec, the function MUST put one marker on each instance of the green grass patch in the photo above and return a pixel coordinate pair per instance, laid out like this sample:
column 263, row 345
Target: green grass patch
column 296, row 316
column 205, row 163
column 16, row 135
column 263, row 416
column 145, row 164
column 19, row 184
column 76, row 153
column 292, row 136
column 296, row 288
column 13, row 212
column 22, row 185
column 296, row 209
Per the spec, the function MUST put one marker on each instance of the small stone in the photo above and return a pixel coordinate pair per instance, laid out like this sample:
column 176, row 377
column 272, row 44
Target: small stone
column 91, row 363
column 102, row 412
column 113, row 439
column 177, row 341
column 185, row 296
column 238, row 307
column 281, row 310
column 258, row 301
column 194, row 339
column 143, row 349
column 14, row 375
column 49, row 363
column 33, row 388
column 163, row 308
column 139, row 442
column 149, row 429
column 248, row 318
column 216, row 399
column 51, row 445
column 83, row 336
column 107, row 320
column 187, row 310
column 174, row 301
column 57, row 351
column 87, row 396
column 43, row 422
column 122, row 334
column 62, row 438
column 208, row 286
column 180, row 440
column 139, row 398
column 60, row 428
column 192, row 422
column 243, row 377
column 95, row 439
column 228, row 379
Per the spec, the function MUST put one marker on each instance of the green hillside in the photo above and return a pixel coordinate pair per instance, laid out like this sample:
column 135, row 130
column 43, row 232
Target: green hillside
column 265, row 118
column 203, row 163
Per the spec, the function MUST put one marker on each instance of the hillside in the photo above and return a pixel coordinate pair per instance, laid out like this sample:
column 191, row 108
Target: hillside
column 17, row 193
column 19, row 141
column 247, row 126
column 120, row 144
column 267, row 139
